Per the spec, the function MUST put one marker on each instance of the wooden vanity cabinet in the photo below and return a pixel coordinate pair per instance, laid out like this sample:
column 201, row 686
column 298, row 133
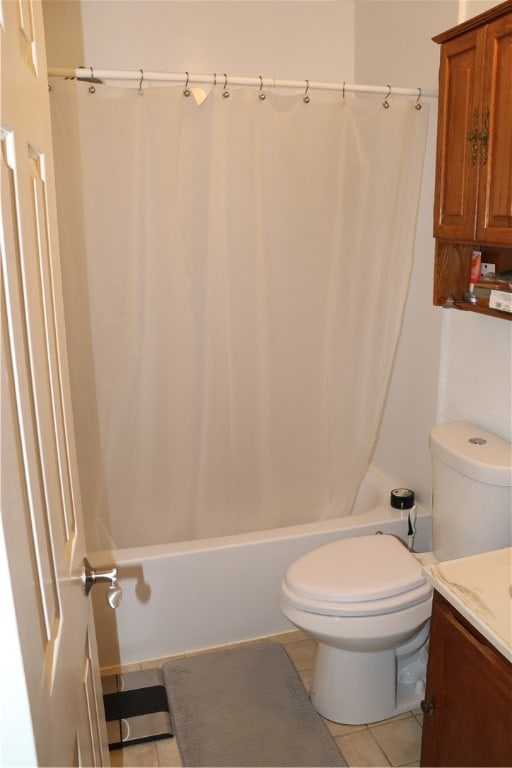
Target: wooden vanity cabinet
column 468, row 698
column 473, row 190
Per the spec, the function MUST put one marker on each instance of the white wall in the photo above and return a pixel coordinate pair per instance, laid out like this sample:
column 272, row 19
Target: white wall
column 372, row 41
column 394, row 39
column 283, row 38
column 476, row 371
column 470, row 8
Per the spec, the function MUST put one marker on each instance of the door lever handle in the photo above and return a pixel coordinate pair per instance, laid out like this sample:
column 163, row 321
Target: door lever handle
column 91, row 576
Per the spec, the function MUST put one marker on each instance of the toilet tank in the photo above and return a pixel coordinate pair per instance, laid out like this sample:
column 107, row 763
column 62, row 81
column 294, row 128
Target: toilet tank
column 471, row 490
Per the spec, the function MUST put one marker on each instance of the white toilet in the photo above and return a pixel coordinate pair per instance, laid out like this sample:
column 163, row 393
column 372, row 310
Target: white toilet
column 365, row 600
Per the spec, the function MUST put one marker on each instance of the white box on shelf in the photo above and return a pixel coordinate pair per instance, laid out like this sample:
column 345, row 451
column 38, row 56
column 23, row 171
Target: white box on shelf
column 501, row 300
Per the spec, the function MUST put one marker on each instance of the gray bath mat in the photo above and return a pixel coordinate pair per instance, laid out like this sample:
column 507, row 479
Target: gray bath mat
column 245, row 707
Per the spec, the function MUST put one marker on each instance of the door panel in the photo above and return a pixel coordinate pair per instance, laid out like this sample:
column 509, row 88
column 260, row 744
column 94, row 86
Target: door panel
column 24, row 434
column 40, row 505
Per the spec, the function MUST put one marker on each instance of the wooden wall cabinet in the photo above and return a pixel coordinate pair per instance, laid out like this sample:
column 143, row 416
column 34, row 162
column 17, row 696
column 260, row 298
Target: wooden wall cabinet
column 473, row 191
column 467, row 708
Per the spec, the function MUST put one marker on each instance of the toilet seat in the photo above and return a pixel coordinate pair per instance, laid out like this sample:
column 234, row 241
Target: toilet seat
column 364, row 576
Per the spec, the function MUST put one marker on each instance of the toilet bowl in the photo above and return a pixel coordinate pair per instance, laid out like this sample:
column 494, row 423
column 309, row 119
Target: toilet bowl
column 367, row 604
column 365, row 601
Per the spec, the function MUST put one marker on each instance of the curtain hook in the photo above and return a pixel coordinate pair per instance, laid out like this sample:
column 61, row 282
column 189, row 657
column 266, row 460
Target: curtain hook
column 306, row 98
column 92, row 89
column 343, row 92
column 385, row 103
column 214, row 79
column 141, row 93
column 262, row 96
column 418, row 104
column 186, row 90
column 225, row 92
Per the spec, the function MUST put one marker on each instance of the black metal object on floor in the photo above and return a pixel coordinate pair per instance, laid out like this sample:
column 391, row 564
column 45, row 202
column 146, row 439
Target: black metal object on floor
column 136, row 708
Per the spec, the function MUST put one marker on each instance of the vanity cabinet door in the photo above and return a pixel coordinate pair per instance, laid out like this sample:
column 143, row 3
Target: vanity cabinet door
column 468, row 698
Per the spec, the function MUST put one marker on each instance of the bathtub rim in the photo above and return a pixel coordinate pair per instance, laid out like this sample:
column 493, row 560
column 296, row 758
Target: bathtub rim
column 381, row 513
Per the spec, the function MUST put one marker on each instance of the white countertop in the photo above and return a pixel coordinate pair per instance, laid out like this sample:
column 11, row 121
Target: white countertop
column 479, row 587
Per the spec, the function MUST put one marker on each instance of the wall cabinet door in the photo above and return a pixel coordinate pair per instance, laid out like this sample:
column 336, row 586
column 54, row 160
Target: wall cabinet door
column 457, row 154
column 474, row 145
column 494, row 221
column 468, row 698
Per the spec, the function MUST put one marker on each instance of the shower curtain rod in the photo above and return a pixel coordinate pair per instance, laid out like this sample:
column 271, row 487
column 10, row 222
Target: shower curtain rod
column 225, row 81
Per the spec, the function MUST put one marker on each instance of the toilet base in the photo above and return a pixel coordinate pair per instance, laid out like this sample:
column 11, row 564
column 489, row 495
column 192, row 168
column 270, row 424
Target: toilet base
column 356, row 688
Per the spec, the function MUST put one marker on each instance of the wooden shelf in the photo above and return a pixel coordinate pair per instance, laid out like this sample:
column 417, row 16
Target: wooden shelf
column 451, row 274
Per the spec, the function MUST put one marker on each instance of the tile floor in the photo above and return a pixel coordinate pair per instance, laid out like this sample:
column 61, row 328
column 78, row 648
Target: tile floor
column 394, row 742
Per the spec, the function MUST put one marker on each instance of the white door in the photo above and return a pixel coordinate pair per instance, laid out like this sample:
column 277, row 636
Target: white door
column 51, row 706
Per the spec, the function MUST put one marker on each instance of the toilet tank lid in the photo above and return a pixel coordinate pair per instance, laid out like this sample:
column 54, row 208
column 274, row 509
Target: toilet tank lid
column 473, row 452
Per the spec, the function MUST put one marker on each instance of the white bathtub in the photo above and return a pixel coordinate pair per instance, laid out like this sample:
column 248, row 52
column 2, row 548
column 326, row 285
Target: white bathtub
column 201, row 594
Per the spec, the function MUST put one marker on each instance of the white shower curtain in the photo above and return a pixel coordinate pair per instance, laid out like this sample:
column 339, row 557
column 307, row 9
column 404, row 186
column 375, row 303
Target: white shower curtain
column 235, row 275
